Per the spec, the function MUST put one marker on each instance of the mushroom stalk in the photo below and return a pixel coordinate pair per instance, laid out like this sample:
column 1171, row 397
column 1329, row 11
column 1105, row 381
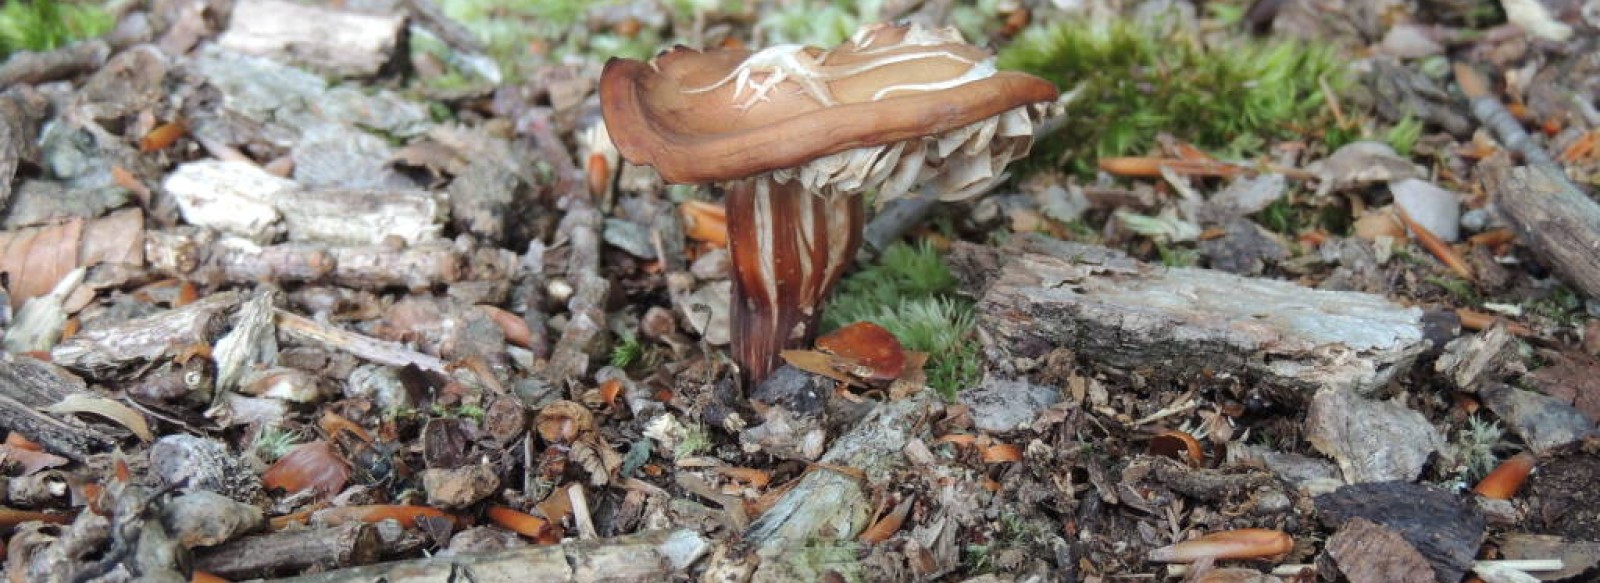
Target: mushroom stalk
column 789, row 249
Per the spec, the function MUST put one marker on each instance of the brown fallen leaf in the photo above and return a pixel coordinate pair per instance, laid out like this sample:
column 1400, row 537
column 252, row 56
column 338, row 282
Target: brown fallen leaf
column 36, row 258
column 313, row 465
column 563, row 422
column 1178, row 445
column 870, row 351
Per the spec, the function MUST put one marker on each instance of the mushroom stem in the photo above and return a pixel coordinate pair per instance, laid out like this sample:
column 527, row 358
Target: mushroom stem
column 789, row 248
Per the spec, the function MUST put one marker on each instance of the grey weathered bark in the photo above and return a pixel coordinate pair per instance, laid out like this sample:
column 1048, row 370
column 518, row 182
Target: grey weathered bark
column 650, row 556
column 1038, row 294
column 1559, row 223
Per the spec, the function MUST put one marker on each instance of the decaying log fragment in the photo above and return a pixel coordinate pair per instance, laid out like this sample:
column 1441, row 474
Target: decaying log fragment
column 1555, row 219
column 100, row 352
column 203, row 257
column 287, row 551
column 338, row 42
column 301, row 329
column 829, row 504
column 650, row 556
column 1038, row 295
column 26, row 385
column 30, row 68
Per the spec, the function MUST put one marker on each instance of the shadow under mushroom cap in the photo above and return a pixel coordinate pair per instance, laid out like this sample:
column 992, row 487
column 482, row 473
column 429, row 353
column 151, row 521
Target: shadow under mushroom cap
column 698, row 117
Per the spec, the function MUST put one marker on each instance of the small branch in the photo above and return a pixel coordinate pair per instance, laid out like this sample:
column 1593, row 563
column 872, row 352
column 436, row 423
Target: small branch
column 301, row 329
column 29, row 68
column 1532, row 565
column 1487, row 108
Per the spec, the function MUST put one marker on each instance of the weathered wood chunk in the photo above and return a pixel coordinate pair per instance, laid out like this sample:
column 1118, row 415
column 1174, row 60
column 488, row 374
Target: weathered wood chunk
column 1039, row 294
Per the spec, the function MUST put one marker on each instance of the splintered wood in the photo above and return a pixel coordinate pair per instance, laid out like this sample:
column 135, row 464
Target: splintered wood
column 1038, row 294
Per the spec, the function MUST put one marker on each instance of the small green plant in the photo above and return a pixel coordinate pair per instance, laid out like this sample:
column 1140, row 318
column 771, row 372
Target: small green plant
column 1403, row 135
column 473, row 412
column 627, row 351
column 1562, row 306
column 1475, row 447
column 696, row 439
column 1458, row 288
column 42, row 25
column 910, row 292
column 274, row 441
column 1131, row 83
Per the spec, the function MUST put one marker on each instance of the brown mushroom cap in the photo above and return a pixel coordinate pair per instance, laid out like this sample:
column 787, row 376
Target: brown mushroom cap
column 663, row 115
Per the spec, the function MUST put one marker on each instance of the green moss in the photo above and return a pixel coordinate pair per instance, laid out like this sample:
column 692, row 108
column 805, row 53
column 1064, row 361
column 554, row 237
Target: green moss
column 42, row 25
column 1132, row 84
column 911, row 293
column 627, row 351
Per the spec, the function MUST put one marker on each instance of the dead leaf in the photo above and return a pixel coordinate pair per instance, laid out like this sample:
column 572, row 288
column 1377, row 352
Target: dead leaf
column 107, row 408
column 871, row 351
column 38, row 257
column 311, row 465
column 888, row 525
column 818, row 363
column 540, row 530
column 1244, row 543
column 563, row 422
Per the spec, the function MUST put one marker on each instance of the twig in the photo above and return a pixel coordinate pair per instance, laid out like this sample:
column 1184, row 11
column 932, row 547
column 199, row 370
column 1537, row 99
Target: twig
column 1535, row 565
column 29, row 68
column 894, row 220
column 1494, row 116
column 1440, row 249
column 382, row 352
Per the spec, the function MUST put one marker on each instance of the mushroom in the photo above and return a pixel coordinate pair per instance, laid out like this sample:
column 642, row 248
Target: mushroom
column 796, row 134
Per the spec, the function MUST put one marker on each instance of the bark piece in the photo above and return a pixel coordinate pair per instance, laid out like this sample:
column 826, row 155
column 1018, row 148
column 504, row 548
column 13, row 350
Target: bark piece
column 1545, row 422
column 650, row 556
column 22, row 111
column 1578, row 558
column 301, row 329
column 230, row 196
column 831, row 505
column 27, row 385
column 1039, row 294
column 342, row 43
column 360, row 216
column 199, row 463
column 30, row 68
column 1442, row 527
column 459, row 487
column 1367, row 552
column 100, row 352
column 1552, row 217
column 1472, row 361
column 1373, row 441
column 201, row 256
column 1562, row 498
column 1001, row 406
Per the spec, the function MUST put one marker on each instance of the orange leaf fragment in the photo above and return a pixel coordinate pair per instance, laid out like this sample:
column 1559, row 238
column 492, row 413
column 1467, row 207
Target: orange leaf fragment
column 1507, row 478
column 754, row 477
column 817, row 363
column 888, row 525
column 164, row 135
column 405, row 514
column 204, row 577
column 705, row 221
column 333, row 423
column 1178, row 445
column 311, row 465
column 610, row 390
column 1001, row 453
column 1151, row 167
column 877, row 354
column 1244, row 543
column 18, row 440
column 525, row 524
column 10, row 517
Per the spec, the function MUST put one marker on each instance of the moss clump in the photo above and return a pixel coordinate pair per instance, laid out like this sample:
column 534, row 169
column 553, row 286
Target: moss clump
column 1132, row 83
column 911, row 293
column 42, row 25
